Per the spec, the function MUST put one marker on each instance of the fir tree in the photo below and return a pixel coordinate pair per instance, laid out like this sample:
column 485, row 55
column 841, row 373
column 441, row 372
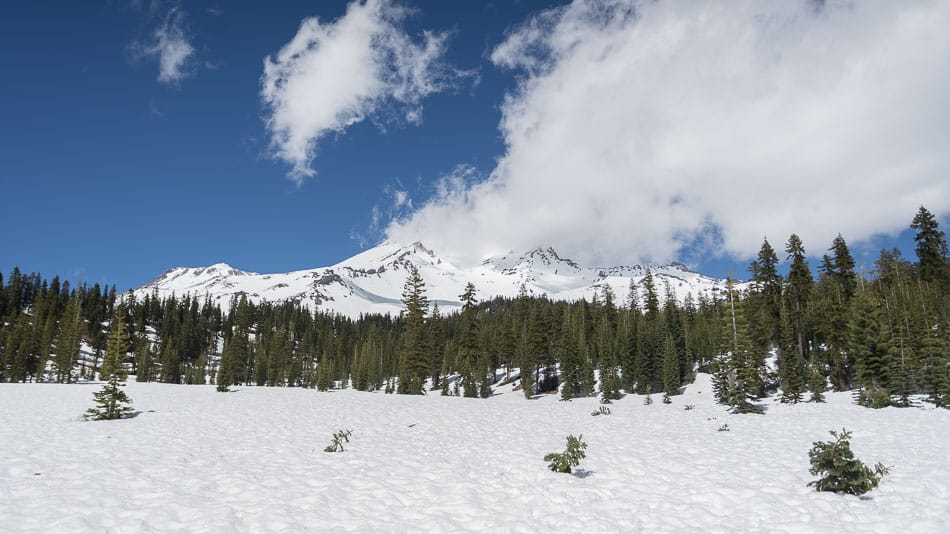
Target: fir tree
column 817, row 380
column 839, row 470
column 671, row 376
column 111, row 400
column 473, row 376
column 737, row 378
column 437, row 347
column 68, row 340
column 569, row 360
column 144, row 359
column 415, row 359
column 764, row 300
column 791, row 369
column 225, row 376
column 870, row 350
column 798, row 291
column 931, row 248
column 571, row 457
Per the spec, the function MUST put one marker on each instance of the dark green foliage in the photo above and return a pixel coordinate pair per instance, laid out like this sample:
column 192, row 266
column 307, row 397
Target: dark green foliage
column 476, row 369
column 763, row 302
column 68, row 340
column 225, row 376
column 737, row 373
column 871, row 351
column 414, row 366
column 563, row 462
column 839, row 470
column 931, row 248
column 817, row 381
column 887, row 336
column 671, row 374
column 339, row 438
column 796, row 332
column 111, row 400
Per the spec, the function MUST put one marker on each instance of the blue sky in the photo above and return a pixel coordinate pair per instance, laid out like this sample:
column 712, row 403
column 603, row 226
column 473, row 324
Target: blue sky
column 112, row 175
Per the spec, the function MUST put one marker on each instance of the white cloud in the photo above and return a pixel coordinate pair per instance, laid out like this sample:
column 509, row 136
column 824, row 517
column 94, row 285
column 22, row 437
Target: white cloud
column 333, row 75
column 171, row 45
column 638, row 128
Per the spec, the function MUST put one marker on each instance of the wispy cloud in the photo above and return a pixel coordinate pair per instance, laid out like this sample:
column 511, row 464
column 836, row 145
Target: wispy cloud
column 639, row 128
column 332, row 75
column 171, row 45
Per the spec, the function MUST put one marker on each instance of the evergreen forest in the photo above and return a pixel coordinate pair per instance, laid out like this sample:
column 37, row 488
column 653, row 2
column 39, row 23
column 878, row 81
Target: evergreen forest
column 881, row 334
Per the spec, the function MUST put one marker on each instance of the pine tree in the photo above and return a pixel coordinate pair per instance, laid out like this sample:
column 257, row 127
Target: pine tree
column 225, row 376
column 737, row 378
column 797, row 293
column 569, row 360
column 763, row 302
column 68, row 340
column 671, row 375
column 571, row 457
column 415, row 360
column 791, row 366
column 436, row 347
column 111, row 400
column 144, row 359
column 839, row 470
column 817, row 380
column 931, row 248
column 473, row 375
column 870, row 350
column 837, row 284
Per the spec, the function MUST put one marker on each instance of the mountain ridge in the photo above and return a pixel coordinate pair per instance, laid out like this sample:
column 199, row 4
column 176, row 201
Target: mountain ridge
column 371, row 281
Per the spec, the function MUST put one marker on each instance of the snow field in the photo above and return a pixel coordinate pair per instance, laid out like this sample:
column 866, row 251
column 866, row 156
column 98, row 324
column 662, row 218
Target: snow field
column 252, row 461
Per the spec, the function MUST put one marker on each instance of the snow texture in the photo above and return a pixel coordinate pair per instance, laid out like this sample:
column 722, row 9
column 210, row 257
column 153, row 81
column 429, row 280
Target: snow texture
column 372, row 281
column 252, row 461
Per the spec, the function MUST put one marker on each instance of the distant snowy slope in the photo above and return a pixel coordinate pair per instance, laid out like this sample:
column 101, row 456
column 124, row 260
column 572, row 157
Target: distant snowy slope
column 372, row 281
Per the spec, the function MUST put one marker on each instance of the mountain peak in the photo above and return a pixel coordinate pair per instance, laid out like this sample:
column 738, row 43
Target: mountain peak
column 372, row 281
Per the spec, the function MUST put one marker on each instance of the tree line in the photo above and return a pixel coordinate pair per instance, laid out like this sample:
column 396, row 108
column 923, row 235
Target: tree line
column 881, row 334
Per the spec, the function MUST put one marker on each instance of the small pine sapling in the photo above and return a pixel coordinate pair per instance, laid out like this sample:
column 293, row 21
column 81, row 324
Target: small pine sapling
column 689, row 407
column 571, row 457
column 724, row 428
column 666, row 398
column 603, row 410
column 111, row 400
column 338, row 438
column 839, row 470
column 648, row 401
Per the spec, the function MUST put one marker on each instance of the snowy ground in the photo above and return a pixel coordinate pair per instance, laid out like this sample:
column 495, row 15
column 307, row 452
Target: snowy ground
column 253, row 461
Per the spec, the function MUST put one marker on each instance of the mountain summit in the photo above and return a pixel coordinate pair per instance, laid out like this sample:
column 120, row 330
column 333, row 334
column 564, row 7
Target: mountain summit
column 372, row 281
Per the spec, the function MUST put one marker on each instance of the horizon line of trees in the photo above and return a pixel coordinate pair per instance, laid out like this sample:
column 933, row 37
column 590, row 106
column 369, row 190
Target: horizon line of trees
column 881, row 334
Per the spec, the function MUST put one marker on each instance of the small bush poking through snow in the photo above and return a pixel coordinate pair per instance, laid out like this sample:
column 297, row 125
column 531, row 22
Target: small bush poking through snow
column 724, row 428
column 603, row 410
column 571, row 457
column 839, row 470
column 338, row 438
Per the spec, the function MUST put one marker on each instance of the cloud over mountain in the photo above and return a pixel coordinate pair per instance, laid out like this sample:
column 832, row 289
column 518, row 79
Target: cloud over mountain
column 641, row 127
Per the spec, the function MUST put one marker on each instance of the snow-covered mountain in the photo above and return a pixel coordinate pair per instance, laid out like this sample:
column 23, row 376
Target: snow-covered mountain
column 372, row 281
